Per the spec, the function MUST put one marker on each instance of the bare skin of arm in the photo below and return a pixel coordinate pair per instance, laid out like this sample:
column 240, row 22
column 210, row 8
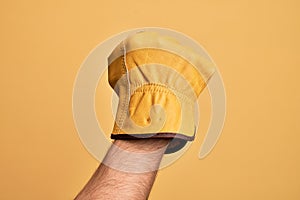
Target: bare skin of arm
column 127, row 172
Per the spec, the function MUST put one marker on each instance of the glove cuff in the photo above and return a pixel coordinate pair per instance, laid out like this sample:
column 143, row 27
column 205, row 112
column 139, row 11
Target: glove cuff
column 154, row 111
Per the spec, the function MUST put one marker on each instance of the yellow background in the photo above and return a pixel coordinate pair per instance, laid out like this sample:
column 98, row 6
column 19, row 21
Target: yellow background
column 255, row 44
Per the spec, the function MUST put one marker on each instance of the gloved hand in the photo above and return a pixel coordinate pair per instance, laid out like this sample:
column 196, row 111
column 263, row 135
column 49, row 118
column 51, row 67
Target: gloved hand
column 158, row 81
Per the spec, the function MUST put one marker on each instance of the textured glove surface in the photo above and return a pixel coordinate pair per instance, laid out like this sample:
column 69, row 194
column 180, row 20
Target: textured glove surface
column 158, row 81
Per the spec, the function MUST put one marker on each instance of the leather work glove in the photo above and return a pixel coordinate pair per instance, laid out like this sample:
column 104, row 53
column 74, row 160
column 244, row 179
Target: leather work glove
column 158, row 81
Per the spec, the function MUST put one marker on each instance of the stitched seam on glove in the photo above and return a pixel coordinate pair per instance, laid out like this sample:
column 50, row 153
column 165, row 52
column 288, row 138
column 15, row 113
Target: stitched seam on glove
column 125, row 103
column 172, row 90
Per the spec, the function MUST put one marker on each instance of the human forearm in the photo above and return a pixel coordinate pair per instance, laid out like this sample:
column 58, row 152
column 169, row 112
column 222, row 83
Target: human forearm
column 127, row 172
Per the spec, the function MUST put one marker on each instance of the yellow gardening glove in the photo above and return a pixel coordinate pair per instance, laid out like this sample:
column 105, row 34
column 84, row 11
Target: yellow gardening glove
column 158, row 81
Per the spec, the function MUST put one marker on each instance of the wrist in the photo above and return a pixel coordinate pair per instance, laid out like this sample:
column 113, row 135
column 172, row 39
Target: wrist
column 136, row 156
column 143, row 145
